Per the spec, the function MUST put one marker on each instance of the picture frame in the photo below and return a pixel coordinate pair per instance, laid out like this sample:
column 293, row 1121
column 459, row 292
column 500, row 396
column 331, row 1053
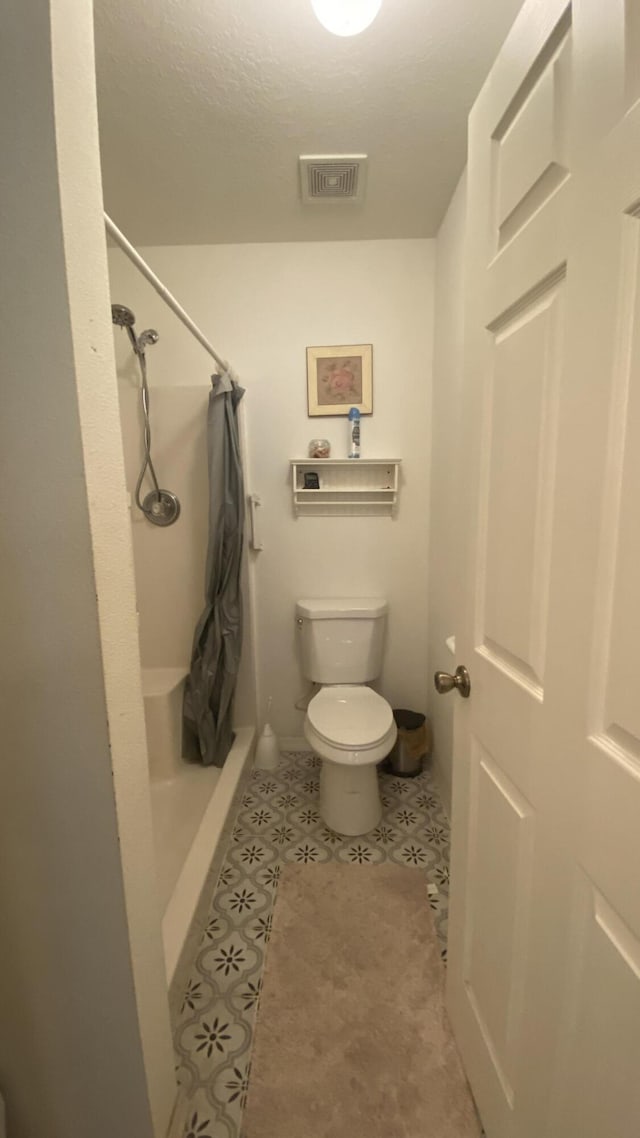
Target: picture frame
column 338, row 378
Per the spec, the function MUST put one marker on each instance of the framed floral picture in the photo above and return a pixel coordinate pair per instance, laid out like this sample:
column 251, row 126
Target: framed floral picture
column 339, row 378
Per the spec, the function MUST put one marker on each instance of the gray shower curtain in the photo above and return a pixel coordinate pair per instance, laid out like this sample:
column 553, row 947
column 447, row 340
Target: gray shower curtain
column 217, row 641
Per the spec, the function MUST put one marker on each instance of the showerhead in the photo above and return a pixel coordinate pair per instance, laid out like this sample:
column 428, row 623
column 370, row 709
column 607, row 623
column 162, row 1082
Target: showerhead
column 122, row 316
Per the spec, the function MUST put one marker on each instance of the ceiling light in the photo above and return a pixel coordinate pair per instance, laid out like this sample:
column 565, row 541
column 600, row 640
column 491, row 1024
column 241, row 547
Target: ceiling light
column 346, row 17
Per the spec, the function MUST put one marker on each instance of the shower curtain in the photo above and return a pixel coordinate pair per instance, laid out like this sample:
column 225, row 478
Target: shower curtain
column 217, row 641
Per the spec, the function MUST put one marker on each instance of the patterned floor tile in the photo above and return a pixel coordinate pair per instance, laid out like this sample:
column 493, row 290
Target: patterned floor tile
column 219, row 1035
column 360, row 852
column 233, row 959
column 278, row 822
column 244, row 899
column 250, row 853
column 259, row 817
column 307, row 852
column 244, row 997
column 205, row 1121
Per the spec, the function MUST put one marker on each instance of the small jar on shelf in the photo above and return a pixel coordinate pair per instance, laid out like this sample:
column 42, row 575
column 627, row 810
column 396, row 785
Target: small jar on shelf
column 319, row 448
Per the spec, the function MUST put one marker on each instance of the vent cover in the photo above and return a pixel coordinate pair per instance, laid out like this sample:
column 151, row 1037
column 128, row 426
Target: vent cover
column 333, row 177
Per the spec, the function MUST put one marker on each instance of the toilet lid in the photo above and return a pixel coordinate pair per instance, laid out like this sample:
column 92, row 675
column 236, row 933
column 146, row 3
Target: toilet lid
column 350, row 716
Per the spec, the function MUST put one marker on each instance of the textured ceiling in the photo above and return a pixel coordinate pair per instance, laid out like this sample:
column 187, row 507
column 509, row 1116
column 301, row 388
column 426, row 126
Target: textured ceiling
column 205, row 106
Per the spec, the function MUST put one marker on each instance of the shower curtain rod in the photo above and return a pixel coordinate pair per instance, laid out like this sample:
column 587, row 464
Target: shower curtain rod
column 161, row 289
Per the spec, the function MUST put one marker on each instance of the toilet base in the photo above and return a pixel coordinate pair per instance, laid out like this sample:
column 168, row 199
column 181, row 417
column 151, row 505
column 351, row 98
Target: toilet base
column 349, row 797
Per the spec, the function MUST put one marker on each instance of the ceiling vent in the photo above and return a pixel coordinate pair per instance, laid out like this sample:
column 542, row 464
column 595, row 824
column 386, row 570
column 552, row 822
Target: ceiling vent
column 333, row 177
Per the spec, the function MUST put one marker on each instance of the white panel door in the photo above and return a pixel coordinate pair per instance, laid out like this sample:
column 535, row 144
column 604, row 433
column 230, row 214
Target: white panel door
column 594, row 643
column 544, row 940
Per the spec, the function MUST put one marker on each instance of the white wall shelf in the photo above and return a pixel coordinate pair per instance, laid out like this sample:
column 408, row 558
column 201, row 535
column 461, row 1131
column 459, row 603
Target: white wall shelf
column 348, row 486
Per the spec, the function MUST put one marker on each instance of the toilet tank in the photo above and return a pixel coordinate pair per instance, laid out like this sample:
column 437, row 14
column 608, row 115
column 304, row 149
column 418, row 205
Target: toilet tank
column 342, row 640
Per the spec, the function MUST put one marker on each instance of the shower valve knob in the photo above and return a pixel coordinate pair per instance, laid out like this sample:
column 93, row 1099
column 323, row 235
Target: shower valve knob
column 163, row 510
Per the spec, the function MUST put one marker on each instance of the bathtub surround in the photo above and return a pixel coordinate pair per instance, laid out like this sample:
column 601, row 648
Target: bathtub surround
column 189, row 808
column 263, row 305
column 352, row 1035
column 190, row 805
column 178, row 804
column 162, row 693
column 181, row 922
column 170, row 563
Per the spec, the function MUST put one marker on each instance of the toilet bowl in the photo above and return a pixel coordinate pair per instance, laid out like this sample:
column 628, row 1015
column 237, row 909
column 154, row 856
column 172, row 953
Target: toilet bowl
column 348, row 725
column 352, row 729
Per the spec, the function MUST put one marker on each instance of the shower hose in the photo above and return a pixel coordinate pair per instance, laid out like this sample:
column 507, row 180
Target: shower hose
column 147, row 463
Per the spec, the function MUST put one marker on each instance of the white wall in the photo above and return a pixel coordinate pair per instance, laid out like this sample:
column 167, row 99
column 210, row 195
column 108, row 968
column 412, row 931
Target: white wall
column 445, row 537
column 84, row 1031
column 262, row 305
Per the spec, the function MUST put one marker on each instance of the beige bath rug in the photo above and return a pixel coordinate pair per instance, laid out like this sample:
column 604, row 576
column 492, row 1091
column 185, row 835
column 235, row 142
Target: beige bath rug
column 352, row 1040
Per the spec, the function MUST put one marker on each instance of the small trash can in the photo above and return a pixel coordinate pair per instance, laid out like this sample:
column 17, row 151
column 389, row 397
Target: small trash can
column 412, row 745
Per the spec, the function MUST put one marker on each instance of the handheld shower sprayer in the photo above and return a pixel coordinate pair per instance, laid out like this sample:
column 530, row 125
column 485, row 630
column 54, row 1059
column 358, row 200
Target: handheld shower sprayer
column 124, row 318
column 161, row 507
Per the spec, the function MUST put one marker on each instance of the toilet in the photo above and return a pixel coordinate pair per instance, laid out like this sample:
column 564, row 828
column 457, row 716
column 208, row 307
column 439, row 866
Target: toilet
column 348, row 725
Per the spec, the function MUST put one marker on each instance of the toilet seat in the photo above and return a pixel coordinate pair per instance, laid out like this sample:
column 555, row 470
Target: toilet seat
column 350, row 717
column 352, row 729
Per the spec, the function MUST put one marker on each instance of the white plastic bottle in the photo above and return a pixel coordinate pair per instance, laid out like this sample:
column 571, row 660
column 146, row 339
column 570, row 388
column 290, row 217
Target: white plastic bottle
column 354, row 433
column 268, row 748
